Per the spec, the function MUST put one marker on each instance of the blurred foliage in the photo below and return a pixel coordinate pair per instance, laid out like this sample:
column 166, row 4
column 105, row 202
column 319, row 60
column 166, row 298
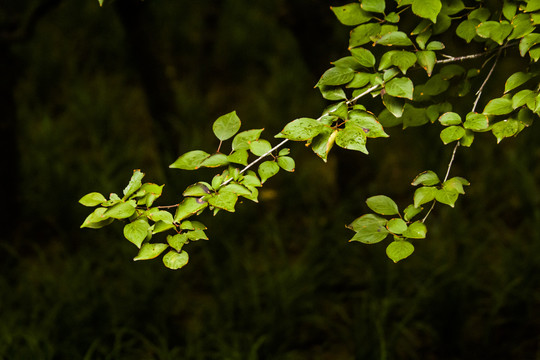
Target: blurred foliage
column 284, row 285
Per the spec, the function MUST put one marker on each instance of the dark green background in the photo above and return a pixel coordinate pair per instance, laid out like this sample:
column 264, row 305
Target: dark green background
column 88, row 94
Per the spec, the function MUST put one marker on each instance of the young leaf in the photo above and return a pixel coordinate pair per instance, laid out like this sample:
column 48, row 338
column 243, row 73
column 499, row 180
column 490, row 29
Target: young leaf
column 499, row 106
column 370, row 229
column 190, row 161
column 352, row 138
column 364, row 57
column 260, row 147
column 226, row 126
column 174, row 260
column 351, row 14
column 427, row 178
column 399, row 250
column 301, row 129
column 136, row 232
column 428, row 9
column 476, row 122
column 241, row 140
column 268, row 169
column 150, row 251
column 400, row 87
column 452, row 133
column 92, row 199
column 97, row 219
column 396, row 226
column 455, row 184
column 286, row 163
column 450, row 118
column 383, row 205
column 189, row 207
column 134, row 183
column 215, row 160
column 395, row 38
column 424, row 195
column 224, row 200
column 239, row 157
column 374, row 5
column 446, row 196
column 416, row 230
column 336, row 76
column 177, row 241
column 515, row 80
column 410, row 212
column 122, row 210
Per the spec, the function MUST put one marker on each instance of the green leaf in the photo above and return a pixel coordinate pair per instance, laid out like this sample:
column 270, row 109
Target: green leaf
column 396, row 226
column 251, row 179
column 455, row 184
column 323, row 143
column 527, row 42
column 336, row 76
column 237, row 189
column 499, row 106
column 359, row 80
column 428, row 9
column 301, row 129
column 134, row 183
column 242, row 140
column 92, row 199
column 435, row 85
column 515, row 80
column 197, row 234
column 190, row 161
column 136, row 232
column 174, row 260
column 416, row 230
column 450, row 118
column 395, row 38
column 215, row 160
column 532, row 5
column 177, row 241
column 260, row 147
column 435, row 45
column 452, row 133
column 394, row 105
column 226, row 126
column 427, row 178
column 362, row 34
column 150, row 251
column 122, row 210
column 364, row 57
column 268, row 169
column 476, row 122
column 403, row 60
column 367, row 121
column 467, row 29
column 352, row 138
column 523, row 97
column 424, row 195
column 351, row 14
column 370, row 229
column 348, row 62
column 481, row 14
column 189, row 207
column 383, row 205
column 199, row 189
column 286, row 163
column 239, row 157
column 494, row 30
column 333, row 92
column 399, row 250
column 414, row 116
column 523, row 25
column 156, row 215
column 446, row 196
column 374, row 5
column 224, row 200
column 505, row 128
column 97, row 219
column 427, row 60
column 410, row 212
column 400, row 87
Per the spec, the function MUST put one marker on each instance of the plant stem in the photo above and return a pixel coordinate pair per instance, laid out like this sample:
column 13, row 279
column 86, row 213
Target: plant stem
column 251, row 164
column 478, row 95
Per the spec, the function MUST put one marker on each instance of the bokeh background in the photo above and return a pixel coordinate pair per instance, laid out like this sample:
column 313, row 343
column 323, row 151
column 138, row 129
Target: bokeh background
column 87, row 94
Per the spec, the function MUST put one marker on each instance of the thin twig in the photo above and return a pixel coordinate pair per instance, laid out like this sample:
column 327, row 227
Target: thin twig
column 473, row 56
column 250, row 165
column 478, row 95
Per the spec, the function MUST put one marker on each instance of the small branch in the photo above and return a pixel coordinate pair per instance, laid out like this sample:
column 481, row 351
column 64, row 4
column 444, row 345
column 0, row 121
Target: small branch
column 257, row 160
column 450, row 59
column 478, row 95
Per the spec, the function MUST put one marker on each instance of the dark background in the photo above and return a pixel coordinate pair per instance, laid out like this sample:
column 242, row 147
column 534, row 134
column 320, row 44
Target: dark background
column 87, row 94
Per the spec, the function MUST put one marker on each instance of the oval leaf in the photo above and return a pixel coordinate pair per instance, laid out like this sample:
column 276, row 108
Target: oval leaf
column 150, row 251
column 174, row 260
column 136, row 232
column 399, row 250
column 190, row 161
column 383, row 205
column 301, row 129
column 226, row 126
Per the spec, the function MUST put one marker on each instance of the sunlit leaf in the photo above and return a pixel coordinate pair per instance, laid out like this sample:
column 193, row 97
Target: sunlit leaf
column 352, row 138
column 399, row 250
column 92, row 199
column 370, row 229
column 260, row 147
column 188, row 207
column 452, row 133
column 134, row 183
column 424, row 195
column 150, row 251
column 383, row 205
column 226, row 126
column 268, row 169
column 190, row 161
column 396, row 226
column 400, row 87
column 416, row 230
column 136, row 232
column 224, row 200
column 428, row 9
column 174, row 260
column 427, row 178
column 351, row 14
column 446, row 196
column 242, row 139
column 301, row 129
